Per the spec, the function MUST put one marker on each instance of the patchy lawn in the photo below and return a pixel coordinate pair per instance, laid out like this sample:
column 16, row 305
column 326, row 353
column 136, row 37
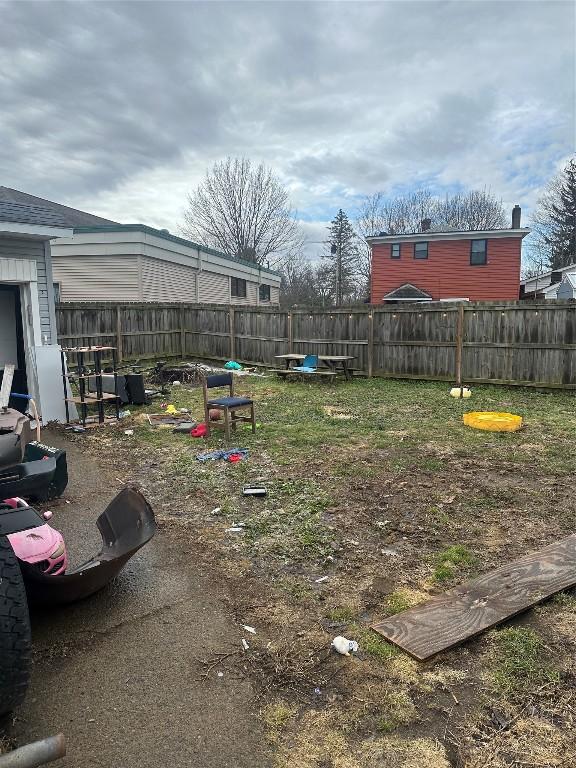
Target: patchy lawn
column 379, row 486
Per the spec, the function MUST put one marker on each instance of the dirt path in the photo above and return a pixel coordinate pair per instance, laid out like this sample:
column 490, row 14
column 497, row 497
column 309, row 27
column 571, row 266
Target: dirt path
column 121, row 674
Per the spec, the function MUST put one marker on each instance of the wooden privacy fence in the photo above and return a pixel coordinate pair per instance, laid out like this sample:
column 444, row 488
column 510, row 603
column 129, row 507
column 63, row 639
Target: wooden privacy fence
column 508, row 343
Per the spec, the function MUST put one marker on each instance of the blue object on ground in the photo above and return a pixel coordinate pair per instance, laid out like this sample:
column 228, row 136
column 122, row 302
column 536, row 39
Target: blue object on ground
column 213, row 455
column 232, row 365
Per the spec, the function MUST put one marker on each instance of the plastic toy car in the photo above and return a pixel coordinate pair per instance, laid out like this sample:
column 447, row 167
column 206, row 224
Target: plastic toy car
column 33, row 566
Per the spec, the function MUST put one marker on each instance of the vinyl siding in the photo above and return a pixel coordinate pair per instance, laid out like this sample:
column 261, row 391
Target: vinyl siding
column 214, row 288
column 447, row 272
column 251, row 295
column 166, row 281
column 15, row 248
column 97, row 278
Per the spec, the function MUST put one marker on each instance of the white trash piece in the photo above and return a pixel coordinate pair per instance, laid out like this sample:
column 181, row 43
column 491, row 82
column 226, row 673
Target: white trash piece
column 176, row 384
column 344, row 646
column 245, row 644
column 321, row 580
column 249, row 629
column 129, row 432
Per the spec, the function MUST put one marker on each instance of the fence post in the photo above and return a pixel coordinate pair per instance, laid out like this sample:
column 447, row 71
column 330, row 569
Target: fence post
column 459, row 343
column 119, row 354
column 370, row 343
column 290, row 340
column 232, row 332
column 182, row 333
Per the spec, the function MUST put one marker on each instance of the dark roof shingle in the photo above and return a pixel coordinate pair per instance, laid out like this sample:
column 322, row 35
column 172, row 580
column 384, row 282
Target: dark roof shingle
column 71, row 217
column 30, row 214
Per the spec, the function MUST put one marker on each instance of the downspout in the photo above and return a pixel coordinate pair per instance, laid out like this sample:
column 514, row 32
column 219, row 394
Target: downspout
column 198, row 271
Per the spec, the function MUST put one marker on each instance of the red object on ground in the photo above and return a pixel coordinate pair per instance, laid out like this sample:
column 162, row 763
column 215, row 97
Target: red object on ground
column 234, row 457
column 199, row 431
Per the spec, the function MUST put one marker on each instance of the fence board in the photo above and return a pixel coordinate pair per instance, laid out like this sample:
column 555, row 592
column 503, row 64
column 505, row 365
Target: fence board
column 513, row 343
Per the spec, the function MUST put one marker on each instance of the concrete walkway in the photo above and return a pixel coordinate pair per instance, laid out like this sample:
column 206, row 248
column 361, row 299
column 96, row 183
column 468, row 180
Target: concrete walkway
column 120, row 674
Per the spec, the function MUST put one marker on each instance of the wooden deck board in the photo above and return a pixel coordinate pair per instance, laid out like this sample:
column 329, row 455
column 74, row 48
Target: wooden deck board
column 467, row 610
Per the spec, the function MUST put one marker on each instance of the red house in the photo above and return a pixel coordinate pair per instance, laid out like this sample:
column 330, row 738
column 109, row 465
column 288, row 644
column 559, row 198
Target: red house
column 479, row 265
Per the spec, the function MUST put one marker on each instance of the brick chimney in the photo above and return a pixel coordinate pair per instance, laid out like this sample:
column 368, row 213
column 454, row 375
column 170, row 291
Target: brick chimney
column 516, row 215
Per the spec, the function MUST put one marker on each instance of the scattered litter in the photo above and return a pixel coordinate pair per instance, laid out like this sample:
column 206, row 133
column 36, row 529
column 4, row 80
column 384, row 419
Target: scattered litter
column 124, row 414
column 254, row 490
column 216, row 511
column 165, row 420
column 460, row 392
column 382, row 523
column 171, row 410
column 232, row 365
column 220, row 674
column 129, row 432
column 234, row 529
column 176, row 383
column 75, row 429
column 215, row 414
column 344, row 646
column 199, row 431
column 184, row 428
column 249, row 629
column 321, row 580
column 245, row 644
column 391, row 552
column 232, row 455
column 317, row 691
column 47, row 515
column 183, row 410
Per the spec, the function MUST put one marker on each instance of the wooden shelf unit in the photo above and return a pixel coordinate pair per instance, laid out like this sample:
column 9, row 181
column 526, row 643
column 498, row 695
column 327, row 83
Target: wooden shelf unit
column 83, row 374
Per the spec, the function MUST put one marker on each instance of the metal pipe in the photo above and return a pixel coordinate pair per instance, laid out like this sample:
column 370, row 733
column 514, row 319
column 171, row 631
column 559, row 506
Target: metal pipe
column 35, row 754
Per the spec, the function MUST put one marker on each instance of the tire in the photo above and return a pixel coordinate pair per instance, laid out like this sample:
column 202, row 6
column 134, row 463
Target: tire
column 15, row 634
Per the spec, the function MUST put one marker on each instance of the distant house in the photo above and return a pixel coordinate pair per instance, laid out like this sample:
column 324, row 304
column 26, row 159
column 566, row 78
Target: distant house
column 479, row 265
column 554, row 284
column 103, row 260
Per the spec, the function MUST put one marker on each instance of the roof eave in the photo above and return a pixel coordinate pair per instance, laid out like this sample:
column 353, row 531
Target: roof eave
column 45, row 232
column 473, row 234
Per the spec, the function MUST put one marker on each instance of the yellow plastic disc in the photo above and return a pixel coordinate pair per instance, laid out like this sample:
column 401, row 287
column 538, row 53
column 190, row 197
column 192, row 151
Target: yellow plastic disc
column 492, row 421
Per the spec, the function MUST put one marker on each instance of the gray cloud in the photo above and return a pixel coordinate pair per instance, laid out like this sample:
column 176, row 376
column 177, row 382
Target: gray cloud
column 120, row 107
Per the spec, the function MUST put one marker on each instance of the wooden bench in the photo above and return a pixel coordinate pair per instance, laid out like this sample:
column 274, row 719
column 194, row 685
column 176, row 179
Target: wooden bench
column 289, row 372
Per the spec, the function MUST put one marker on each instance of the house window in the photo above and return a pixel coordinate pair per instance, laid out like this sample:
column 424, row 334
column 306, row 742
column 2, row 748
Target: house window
column 395, row 252
column 420, row 250
column 264, row 293
column 478, row 252
column 238, row 287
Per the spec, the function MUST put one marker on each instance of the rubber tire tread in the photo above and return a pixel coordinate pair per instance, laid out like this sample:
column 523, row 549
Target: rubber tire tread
column 15, row 633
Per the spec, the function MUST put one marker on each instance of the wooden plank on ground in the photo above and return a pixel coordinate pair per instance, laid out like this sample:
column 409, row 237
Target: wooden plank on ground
column 467, row 610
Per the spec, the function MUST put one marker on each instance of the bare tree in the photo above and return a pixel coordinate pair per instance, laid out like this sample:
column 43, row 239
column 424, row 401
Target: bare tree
column 244, row 211
column 477, row 209
column 305, row 284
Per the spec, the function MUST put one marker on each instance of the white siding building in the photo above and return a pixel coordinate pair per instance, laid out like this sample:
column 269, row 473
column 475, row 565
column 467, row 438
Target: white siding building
column 133, row 262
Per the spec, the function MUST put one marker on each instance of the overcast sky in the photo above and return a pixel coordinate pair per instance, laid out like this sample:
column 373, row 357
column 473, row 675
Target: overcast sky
column 119, row 108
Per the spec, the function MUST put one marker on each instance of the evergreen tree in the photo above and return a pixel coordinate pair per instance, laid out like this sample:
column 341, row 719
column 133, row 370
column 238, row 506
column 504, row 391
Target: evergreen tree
column 552, row 242
column 343, row 255
column 561, row 237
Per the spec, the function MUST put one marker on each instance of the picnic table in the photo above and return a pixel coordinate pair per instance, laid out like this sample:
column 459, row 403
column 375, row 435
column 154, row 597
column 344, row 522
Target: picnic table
column 335, row 363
